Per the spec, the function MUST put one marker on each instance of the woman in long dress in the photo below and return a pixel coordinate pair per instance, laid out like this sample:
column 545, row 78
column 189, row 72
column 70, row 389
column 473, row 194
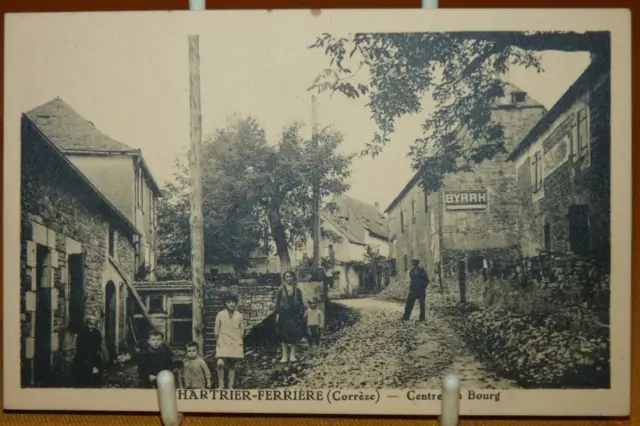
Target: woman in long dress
column 289, row 316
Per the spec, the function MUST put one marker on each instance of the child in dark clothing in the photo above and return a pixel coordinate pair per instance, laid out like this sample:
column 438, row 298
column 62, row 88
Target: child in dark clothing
column 156, row 358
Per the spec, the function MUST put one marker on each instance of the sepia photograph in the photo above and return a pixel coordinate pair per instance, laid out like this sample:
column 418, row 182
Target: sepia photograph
column 304, row 213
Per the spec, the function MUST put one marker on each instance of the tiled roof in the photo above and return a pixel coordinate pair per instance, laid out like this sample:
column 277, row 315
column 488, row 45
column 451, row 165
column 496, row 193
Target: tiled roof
column 355, row 218
column 163, row 286
column 110, row 207
column 69, row 131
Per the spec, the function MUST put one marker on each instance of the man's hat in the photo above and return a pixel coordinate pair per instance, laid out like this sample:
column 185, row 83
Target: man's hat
column 313, row 300
column 415, row 260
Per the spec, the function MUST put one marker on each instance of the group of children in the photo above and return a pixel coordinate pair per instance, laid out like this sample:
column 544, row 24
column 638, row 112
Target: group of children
column 194, row 372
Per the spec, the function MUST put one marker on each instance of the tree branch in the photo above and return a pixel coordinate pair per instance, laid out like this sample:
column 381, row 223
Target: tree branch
column 561, row 41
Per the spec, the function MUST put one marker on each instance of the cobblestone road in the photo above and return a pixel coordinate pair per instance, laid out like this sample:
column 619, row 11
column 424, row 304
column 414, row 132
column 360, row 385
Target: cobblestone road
column 380, row 350
column 373, row 349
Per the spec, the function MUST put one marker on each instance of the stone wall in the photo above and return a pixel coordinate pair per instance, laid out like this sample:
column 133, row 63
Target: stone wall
column 125, row 252
column 577, row 289
column 255, row 302
column 63, row 215
column 496, row 226
column 573, row 180
column 431, row 232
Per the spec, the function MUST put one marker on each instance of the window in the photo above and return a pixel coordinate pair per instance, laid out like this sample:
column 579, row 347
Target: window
column 182, row 310
column 140, row 189
column 401, row 221
column 579, row 229
column 156, row 304
column 150, row 203
column 181, row 322
column 536, row 166
column 583, row 133
column 518, row 97
column 75, row 291
column 426, row 201
column 580, row 135
column 112, row 242
column 181, row 332
column 547, row 236
column 393, row 267
column 406, row 262
column 413, row 210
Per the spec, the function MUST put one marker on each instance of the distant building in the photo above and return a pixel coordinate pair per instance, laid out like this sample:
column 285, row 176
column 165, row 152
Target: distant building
column 117, row 170
column 350, row 226
column 563, row 168
column 77, row 252
column 472, row 220
column 261, row 261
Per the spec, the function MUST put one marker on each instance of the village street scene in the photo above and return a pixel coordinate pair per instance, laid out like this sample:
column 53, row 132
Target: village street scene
column 298, row 221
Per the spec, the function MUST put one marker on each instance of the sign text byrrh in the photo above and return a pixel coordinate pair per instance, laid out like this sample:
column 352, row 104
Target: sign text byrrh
column 466, row 199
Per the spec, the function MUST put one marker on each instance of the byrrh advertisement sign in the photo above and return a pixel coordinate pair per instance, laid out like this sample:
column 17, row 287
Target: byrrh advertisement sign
column 465, row 199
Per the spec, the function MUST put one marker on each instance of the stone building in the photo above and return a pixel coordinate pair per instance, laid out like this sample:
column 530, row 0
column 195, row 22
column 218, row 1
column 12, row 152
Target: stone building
column 118, row 171
column 77, row 251
column 350, row 228
column 471, row 221
column 563, row 168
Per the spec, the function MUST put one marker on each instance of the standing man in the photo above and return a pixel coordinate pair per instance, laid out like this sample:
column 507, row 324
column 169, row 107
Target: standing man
column 417, row 290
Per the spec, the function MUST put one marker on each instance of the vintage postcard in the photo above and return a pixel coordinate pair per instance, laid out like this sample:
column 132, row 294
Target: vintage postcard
column 319, row 213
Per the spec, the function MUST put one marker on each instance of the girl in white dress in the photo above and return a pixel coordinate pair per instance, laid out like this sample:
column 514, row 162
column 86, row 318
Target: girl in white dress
column 229, row 332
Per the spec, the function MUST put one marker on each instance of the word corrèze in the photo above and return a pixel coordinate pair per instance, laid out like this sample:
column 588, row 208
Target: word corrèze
column 330, row 396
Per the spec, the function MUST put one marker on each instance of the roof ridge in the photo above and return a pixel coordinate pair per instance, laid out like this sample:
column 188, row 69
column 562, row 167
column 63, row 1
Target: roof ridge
column 57, row 107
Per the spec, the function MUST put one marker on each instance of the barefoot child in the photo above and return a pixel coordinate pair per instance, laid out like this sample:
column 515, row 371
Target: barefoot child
column 229, row 332
column 315, row 321
column 195, row 371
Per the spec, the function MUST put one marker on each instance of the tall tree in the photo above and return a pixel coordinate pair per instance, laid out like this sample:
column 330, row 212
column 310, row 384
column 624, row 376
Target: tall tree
column 461, row 71
column 232, row 226
column 287, row 191
column 253, row 191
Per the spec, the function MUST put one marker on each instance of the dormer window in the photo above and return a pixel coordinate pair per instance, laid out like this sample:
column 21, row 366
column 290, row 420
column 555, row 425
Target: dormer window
column 518, row 97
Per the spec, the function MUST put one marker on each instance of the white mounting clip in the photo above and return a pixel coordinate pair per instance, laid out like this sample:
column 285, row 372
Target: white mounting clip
column 450, row 401
column 167, row 399
column 429, row 4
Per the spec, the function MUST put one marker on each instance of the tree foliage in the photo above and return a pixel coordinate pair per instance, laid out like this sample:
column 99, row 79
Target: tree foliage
column 254, row 192
column 460, row 70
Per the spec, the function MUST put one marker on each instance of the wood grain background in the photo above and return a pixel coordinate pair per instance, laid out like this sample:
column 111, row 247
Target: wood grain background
column 65, row 419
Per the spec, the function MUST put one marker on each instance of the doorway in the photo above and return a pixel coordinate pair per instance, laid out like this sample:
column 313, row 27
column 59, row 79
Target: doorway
column 75, row 266
column 44, row 320
column 579, row 229
column 110, row 315
column 462, row 280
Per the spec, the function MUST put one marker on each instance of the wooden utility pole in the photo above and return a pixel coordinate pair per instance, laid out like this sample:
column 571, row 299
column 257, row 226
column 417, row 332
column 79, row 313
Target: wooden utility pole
column 196, row 214
column 317, row 234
